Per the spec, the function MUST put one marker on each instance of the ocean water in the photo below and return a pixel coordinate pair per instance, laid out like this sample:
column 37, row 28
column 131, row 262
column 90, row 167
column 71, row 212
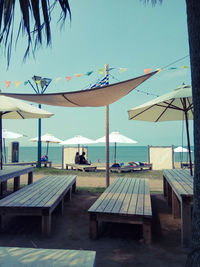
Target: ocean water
column 124, row 154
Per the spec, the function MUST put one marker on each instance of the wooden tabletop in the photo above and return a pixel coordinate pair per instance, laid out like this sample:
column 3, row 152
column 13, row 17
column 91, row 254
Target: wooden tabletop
column 15, row 257
column 180, row 180
column 125, row 196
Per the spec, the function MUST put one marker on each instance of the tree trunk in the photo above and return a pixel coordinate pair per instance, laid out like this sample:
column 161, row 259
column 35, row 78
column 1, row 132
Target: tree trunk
column 193, row 20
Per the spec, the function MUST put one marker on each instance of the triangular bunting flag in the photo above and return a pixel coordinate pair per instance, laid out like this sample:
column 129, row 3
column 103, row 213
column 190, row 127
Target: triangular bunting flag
column 78, row 75
column 58, row 79
column 17, row 83
column 159, row 70
column 38, row 82
column 184, row 67
column 121, row 70
column 89, row 73
column 146, row 71
column 7, row 83
column 26, row 82
column 68, row 78
column 173, row 68
column 101, row 71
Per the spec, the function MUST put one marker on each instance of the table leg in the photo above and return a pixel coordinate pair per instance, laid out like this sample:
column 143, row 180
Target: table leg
column 147, row 232
column 74, row 187
column 93, row 226
column 46, row 225
column 30, row 177
column 186, row 223
column 176, row 209
column 16, row 183
column 169, row 194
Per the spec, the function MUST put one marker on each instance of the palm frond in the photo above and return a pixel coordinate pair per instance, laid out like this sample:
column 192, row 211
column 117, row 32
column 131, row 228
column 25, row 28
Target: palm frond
column 35, row 24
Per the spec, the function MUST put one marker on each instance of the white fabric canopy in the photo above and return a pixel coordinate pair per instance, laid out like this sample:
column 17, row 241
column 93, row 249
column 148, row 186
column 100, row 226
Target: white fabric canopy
column 78, row 140
column 10, row 135
column 47, row 138
column 181, row 149
column 96, row 97
column 116, row 137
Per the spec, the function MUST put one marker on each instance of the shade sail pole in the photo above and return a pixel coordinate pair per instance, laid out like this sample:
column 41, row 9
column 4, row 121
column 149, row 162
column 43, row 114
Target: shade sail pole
column 1, row 141
column 188, row 140
column 115, row 152
column 107, row 139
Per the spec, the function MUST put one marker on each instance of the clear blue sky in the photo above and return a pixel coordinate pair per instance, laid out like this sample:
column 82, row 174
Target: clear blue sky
column 123, row 34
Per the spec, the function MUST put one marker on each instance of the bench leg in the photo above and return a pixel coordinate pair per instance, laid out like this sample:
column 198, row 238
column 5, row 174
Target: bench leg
column 3, row 187
column 147, row 232
column 16, row 183
column 169, row 195
column 164, row 187
column 186, row 223
column 46, row 225
column 30, row 177
column 93, row 226
column 74, row 187
column 175, row 206
column 69, row 195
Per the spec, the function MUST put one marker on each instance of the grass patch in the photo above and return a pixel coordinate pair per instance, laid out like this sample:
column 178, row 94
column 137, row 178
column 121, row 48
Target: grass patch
column 91, row 189
column 150, row 174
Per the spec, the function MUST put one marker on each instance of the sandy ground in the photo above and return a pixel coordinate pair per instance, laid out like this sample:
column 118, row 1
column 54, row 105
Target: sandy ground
column 120, row 245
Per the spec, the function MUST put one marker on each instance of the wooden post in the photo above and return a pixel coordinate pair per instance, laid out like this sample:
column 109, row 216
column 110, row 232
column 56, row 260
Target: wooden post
column 107, row 139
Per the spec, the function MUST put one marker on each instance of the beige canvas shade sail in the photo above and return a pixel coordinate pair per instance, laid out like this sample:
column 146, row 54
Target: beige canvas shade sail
column 175, row 105
column 96, row 97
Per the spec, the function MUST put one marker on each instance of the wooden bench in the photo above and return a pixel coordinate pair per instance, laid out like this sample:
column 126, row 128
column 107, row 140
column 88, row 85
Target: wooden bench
column 40, row 199
column 19, row 257
column 178, row 189
column 81, row 167
column 32, row 163
column 131, row 168
column 126, row 200
column 9, row 172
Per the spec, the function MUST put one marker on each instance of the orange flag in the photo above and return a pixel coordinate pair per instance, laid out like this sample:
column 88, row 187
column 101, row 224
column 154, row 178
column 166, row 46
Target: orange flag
column 68, row 78
column 146, row 71
column 78, row 75
column 7, row 83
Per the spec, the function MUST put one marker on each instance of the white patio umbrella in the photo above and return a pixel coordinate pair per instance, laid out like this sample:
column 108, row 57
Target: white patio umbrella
column 181, row 150
column 116, row 137
column 175, row 105
column 47, row 138
column 78, row 140
column 9, row 135
column 11, row 108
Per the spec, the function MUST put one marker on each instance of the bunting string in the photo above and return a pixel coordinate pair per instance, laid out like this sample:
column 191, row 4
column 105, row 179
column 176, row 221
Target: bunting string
column 101, row 72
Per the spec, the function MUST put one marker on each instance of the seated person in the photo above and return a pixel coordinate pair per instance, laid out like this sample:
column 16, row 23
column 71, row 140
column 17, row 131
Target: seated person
column 44, row 158
column 77, row 158
column 83, row 160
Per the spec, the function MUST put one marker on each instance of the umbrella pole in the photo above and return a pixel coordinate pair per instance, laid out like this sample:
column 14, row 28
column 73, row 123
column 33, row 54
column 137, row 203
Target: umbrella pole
column 1, row 155
column 4, row 146
column 115, row 152
column 107, row 147
column 47, row 149
column 188, row 140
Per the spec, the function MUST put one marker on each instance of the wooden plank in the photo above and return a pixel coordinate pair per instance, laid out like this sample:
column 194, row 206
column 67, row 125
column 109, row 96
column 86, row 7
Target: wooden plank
column 134, row 196
column 140, row 200
column 127, row 199
column 147, row 200
column 15, row 257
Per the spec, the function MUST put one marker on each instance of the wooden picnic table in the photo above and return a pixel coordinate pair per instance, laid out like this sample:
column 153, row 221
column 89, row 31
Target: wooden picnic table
column 37, row 257
column 32, row 163
column 9, row 172
column 40, row 199
column 126, row 200
column 178, row 189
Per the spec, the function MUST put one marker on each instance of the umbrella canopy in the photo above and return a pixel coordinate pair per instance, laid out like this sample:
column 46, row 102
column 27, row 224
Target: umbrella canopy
column 78, row 140
column 11, row 108
column 175, row 105
column 47, row 138
column 116, row 137
column 181, row 149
